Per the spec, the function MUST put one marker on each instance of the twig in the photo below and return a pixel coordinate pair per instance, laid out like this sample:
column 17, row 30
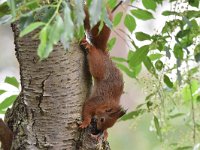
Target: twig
column 117, row 6
column 134, row 6
column 121, row 38
column 192, row 104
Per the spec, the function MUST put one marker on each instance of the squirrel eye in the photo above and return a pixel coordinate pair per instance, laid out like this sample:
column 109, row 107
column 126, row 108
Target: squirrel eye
column 102, row 119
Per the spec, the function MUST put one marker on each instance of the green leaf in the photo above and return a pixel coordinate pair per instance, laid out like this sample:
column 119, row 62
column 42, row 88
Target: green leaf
column 105, row 17
column 148, row 64
column 186, row 93
column 142, row 14
column 119, row 59
column 194, row 3
column 68, row 33
column 158, row 43
column 136, row 69
column 197, row 57
column 184, row 148
column 111, row 43
column 193, row 70
column 138, row 56
column 78, row 34
column 44, row 14
column 197, row 53
column 56, row 30
column 12, row 7
column 79, row 12
column 12, row 80
column 169, row 13
column 2, row 91
column 167, row 81
column 170, row 26
column 183, row 33
column 141, row 36
column 88, row 2
column 176, row 115
column 117, row 18
column 194, row 25
column 157, row 126
column 155, row 56
column 4, row 9
column 198, row 98
column 95, row 12
column 25, row 21
column 130, row 23
column 186, row 41
column 159, row 65
column 130, row 54
column 192, row 14
column 31, row 27
column 132, row 115
column 149, row 4
column 7, row 102
column 43, row 42
column 125, row 69
column 159, row 1
column 111, row 3
column 178, row 51
column 32, row 4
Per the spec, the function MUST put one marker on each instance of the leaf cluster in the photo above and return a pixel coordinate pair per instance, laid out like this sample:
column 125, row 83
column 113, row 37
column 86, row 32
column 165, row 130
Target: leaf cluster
column 7, row 96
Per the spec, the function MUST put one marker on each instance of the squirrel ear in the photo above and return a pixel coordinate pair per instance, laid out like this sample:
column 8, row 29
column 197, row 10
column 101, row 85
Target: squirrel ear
column 119, row 112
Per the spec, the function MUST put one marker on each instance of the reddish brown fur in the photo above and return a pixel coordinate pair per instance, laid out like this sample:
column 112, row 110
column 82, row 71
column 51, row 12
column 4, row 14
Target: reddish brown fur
column 103, row 103
column 6, row 136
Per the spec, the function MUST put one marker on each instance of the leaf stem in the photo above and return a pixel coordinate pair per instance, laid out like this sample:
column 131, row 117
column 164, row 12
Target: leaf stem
column 192, row 103
column 55, row 13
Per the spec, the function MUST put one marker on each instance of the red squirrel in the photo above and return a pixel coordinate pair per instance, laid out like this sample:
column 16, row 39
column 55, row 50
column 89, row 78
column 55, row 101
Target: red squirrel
column 103, row 102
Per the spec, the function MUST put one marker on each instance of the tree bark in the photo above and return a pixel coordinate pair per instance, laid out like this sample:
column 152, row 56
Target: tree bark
column 47, row 113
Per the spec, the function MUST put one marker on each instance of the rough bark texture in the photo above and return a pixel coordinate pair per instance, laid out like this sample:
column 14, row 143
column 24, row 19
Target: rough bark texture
column 47, row 113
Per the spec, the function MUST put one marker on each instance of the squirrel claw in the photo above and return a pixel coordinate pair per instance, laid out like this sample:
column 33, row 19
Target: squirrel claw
column 83, row 125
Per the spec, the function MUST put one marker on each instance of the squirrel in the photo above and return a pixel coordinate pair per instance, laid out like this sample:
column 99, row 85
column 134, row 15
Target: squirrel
column 6, row 136
column 103, row 102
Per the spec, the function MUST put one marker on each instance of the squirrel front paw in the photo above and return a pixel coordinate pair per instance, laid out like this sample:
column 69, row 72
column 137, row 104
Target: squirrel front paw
column 84, row 124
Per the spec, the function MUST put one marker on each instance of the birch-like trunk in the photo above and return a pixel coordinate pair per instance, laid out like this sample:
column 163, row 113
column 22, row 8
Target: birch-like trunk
column 47, row 113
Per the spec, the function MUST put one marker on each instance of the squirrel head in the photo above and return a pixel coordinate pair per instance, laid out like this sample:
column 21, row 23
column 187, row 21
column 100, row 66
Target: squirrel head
column 108, row 118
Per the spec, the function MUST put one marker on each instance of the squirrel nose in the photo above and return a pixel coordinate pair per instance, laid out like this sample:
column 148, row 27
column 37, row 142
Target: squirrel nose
column 94, row 119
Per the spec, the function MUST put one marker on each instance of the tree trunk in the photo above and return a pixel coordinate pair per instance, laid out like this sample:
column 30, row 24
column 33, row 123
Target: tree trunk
column 47, row 113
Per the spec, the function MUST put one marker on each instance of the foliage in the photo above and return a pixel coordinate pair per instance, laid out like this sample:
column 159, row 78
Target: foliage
column 171, row 101
column 8, row 93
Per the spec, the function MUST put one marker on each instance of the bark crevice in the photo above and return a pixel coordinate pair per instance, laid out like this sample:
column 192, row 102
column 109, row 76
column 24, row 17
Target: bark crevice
column 40, row 97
